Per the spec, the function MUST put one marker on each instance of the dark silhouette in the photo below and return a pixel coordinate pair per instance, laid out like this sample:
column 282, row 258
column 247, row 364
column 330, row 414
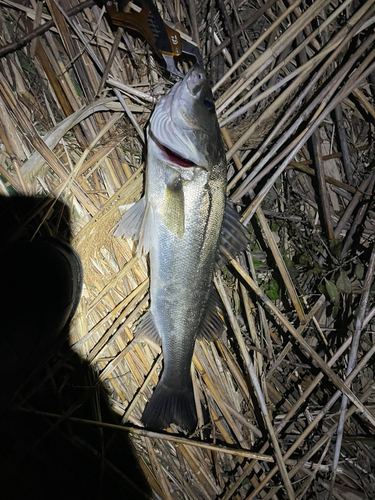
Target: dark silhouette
column 41, row 456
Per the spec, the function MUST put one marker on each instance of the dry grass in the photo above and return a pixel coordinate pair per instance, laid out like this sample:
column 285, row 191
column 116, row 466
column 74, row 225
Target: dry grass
column 290, row 388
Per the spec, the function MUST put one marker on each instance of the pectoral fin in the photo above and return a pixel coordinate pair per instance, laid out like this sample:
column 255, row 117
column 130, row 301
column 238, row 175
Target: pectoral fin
column 234, row 237
column 173, row 208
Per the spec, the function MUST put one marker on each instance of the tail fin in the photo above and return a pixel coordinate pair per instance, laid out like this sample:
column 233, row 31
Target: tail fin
column 169, row 405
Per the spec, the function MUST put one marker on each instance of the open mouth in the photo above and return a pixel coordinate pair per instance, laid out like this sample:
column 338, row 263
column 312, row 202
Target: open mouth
column 174, row 157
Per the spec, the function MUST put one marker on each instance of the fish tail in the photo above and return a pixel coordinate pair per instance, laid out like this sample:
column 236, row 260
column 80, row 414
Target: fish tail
column 170, row 405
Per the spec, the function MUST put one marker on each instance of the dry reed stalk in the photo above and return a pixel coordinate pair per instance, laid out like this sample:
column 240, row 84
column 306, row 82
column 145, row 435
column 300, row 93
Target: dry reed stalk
column 335, row 379
column 355, row 21
column 255, row 382
column 320, row 416
column 296, row 145
column 352, row 360
column 92, row 161
column 281, row 266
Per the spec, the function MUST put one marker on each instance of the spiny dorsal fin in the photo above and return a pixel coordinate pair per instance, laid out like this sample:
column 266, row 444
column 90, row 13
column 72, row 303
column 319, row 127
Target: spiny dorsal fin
column 234, row 237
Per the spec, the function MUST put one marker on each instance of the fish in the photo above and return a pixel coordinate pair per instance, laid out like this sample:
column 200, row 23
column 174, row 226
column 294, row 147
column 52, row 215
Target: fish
column 183, row 223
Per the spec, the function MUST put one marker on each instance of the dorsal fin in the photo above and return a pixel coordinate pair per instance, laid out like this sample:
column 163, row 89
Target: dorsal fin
column 234, row 237
column 212, row 325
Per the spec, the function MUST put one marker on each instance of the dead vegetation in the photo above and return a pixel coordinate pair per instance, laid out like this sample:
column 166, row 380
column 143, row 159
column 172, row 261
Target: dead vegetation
column 290, row 389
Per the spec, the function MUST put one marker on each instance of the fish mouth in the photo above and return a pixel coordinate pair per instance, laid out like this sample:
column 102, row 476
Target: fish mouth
column 173, row 156
column 176, row 158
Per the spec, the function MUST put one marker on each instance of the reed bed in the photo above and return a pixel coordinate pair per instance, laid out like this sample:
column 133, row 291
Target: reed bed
column 289, row 388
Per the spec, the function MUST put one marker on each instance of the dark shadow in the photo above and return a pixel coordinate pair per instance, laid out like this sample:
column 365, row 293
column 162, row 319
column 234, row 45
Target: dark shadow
column 44, row 385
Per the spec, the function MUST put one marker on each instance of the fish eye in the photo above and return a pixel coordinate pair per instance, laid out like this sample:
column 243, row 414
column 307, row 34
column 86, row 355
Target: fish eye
column 209, row 104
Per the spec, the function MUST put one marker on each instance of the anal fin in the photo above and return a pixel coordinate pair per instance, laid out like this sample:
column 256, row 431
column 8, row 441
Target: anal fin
column 234, row 237
column 146, row 330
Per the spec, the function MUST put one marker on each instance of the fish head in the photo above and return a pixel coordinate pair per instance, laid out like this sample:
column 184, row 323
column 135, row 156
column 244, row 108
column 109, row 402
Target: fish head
column 193, row 107
column 184, row 124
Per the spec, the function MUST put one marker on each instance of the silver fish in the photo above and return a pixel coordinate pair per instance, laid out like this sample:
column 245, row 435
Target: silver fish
column 178, row 222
